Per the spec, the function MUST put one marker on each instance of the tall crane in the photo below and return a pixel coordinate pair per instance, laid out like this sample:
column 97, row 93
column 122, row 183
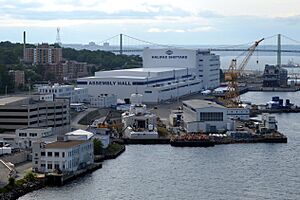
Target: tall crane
column 232, row 96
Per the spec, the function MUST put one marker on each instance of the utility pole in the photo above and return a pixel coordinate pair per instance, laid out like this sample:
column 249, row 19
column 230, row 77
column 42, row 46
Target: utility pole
column 121, row 44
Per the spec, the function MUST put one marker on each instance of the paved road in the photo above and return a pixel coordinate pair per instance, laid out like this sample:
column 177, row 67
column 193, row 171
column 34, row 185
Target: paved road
column 78, row 117
column 23, row 168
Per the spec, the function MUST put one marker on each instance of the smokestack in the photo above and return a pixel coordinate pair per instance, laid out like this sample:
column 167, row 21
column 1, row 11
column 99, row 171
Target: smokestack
column 24, row 44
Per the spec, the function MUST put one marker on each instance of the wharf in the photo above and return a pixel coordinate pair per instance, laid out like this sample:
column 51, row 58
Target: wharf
column 252, row 140
column 278, row 138
column 55, row 179
column 273, row 89
column 255, row 112
column 129, row 141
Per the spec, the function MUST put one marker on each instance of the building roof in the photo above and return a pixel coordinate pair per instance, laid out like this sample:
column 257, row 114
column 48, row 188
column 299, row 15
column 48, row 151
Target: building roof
column 7, row 100
column 135, row 73
column 80, row 132
column 197, row 103
column 36, row 128
column 64, row 144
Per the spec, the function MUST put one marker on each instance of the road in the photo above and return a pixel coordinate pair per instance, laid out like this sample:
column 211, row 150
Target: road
column 23, row 168
column 78, row 117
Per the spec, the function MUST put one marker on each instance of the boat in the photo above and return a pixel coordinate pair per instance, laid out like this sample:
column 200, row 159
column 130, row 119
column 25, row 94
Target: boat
column 291, row 64
column 192, row 140
column 140, row 123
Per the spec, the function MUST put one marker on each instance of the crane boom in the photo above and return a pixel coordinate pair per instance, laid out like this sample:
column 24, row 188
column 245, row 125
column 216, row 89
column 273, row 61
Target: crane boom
column 249, row 54
column 234, row 72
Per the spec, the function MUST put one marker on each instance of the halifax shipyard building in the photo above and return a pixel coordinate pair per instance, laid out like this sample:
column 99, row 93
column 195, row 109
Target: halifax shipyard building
column 166, row 74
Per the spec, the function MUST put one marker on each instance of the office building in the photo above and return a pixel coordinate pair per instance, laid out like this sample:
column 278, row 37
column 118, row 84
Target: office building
column 30, row 112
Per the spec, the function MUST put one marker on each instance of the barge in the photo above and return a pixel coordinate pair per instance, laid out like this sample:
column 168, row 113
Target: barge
column 192, row 140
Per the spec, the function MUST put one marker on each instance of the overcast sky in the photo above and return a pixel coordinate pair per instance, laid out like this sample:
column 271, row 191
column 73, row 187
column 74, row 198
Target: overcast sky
column 160, row 21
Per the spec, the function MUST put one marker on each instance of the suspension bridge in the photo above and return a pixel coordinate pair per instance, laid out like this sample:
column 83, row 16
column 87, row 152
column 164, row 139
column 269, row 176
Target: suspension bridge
column 125, row 44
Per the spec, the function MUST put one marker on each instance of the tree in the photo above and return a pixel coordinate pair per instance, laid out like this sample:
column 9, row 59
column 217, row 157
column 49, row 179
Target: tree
column 30, row 177
column 98, row 146
column 5, row 80
column 11, row 181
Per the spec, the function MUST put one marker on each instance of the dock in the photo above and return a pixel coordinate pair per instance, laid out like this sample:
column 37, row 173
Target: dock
column 275, row 138
column 129, row 141
column 259, row 139
column 284, row 110
column 56, row 179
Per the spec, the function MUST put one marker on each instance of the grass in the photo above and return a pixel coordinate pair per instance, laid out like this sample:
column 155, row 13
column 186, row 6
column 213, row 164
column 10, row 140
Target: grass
column 113, row 148
column 29, row 177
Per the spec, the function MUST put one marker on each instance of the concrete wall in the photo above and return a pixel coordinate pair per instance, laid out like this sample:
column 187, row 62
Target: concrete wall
column 16, row 158
column 4, row 174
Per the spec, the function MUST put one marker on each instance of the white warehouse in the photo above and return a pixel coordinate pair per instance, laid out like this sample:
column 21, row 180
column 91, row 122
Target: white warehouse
column 166, row 74
column 207, row 116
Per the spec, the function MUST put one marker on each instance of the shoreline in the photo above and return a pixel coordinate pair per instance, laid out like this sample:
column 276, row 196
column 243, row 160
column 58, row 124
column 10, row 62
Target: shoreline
column 19, row 191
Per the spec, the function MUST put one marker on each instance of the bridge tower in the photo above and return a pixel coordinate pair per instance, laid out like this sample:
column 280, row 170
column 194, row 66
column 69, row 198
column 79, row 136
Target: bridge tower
column 279, row 49
column 121, row 44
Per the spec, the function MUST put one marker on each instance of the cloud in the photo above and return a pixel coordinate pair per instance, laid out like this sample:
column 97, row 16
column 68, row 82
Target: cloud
column 193, row 30
column 158, row 30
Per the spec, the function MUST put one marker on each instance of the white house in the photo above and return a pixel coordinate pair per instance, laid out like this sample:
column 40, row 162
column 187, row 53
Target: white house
column 69, row 154
column 26, row 136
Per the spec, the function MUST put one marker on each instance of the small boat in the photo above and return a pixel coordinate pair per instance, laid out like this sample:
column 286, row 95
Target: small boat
column 291, row 64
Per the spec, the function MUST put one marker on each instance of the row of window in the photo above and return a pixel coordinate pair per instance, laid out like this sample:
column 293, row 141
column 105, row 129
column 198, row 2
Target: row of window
column 52, row 154
column 211, row 116
column 30, row 134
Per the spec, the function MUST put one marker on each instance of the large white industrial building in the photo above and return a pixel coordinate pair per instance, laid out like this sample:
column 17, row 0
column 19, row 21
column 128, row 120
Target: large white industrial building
column 166, row 74
column 207, row 116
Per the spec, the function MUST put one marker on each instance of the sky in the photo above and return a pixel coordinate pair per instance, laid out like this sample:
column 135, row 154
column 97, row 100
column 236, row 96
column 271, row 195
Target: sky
column 192, row 22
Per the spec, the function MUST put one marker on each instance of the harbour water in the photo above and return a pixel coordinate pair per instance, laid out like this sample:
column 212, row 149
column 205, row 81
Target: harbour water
column 239, row 171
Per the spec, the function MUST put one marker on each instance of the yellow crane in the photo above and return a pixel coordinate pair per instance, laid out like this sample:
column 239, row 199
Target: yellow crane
column 232, row 96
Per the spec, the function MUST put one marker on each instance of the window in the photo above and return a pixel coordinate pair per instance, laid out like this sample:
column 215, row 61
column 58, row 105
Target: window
column 49, row 154
column 43, row 154
column 36, row 154
column 56, row 166
column 211, row 116
column 36, row 162
column 49, row 166
column 32, row 134
column 22, row 134
column 56, row 154
column 43, row 165
column 63, row 154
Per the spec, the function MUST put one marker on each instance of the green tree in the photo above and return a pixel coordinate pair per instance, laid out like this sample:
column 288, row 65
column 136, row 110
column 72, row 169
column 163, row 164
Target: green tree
column 98, row 146
column 5, row 80
column 11, row 181
column 30, row 177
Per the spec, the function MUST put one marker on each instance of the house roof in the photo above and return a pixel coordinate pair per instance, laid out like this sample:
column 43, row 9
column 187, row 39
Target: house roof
column 64, row 144
column 80, row 132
